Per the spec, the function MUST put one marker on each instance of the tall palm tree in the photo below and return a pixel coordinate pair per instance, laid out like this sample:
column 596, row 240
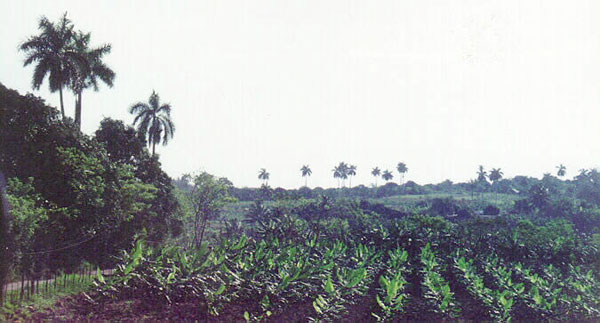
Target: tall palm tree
column 337, row 174
column 305, row 173
column 343, row 169
column 481, row 174
column 155, row 120
column 495, row 176
column 376, row 172
column 351, row 172
column 340, row 172
column 54, row 52
column 562, row 170
column 93, row 71
column 387, row 175
column 402, row 169
column 264, row 175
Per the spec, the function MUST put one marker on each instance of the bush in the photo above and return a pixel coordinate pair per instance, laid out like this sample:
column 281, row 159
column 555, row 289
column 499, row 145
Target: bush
column 491, row 210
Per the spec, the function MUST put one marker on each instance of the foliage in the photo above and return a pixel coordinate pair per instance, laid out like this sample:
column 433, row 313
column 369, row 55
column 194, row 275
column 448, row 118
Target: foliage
column 206, row 196
column 90, row 196
column 154, row 118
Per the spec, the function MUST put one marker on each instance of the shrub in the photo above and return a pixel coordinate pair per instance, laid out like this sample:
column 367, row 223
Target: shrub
column 491, row 210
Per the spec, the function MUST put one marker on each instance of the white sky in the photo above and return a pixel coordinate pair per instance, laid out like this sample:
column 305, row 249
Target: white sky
column 442, row 85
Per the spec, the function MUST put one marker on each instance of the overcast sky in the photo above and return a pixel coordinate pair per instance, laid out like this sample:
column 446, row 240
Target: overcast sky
column 442, row 85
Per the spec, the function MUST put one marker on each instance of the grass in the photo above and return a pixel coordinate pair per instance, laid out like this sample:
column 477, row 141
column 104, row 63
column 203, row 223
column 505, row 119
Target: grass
column 477, row 200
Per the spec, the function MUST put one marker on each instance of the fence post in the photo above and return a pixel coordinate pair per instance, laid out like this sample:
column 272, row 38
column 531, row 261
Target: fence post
column 22, row 285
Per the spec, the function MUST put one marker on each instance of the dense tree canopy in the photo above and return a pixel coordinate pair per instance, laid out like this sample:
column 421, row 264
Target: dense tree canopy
column 97, row 193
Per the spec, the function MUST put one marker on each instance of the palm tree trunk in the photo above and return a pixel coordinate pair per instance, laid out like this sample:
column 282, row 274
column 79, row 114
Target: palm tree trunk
column 153, row 148
column 78, row 110
column 62, row 105
column 305, row 181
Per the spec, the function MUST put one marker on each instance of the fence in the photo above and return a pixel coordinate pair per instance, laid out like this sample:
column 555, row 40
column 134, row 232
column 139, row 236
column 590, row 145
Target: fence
column 18, row 292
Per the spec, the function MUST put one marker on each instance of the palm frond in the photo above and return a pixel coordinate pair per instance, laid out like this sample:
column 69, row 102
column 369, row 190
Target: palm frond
column 137, row 107
column 166, row 108
column 39, row 73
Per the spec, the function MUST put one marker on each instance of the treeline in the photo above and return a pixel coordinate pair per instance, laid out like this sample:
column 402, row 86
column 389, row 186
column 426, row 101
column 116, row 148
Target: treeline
column 577, row 200
column 584, row 186
column 76, row 197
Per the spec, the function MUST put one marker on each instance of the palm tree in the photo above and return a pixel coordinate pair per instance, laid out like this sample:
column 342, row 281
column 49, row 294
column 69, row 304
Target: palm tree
column 495, row 175
column 305, row 173
column 55, row 54
column 155, row 120
column 376, row 172
column 93, row 71
column 341, row 172
column 481, row 174
column 562, row 170
column 351, row 172
column 387, row 175
column 337, row 174
column 401, row 167
column 264, row 175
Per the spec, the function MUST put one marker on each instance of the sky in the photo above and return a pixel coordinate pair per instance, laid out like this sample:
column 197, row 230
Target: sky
column 443, row 86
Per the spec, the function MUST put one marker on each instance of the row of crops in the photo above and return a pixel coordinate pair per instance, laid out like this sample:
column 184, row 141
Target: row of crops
column 320, row 279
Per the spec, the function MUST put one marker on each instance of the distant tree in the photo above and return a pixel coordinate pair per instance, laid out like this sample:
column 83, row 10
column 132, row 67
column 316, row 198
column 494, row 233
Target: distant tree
column 481, row 174
column 208, row 196
column 495, row 175
column 562, row 170
column 376, row 172
column 539, row 195
column 306, row 171
column 583, row 173
column 337, row 174
column 341, row 172
column 155, row 120
column 351, row 172
column 402, row 169
column 94, row 70
column 264, row 175
column 387, row 175
column 55, row 54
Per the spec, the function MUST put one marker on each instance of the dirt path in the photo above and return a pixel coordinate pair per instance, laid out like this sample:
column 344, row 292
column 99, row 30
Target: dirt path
column 17, row 285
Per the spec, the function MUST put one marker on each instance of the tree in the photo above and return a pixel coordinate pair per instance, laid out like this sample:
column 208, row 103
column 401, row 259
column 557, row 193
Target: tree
column 351, row 172
column 208, row 196
column 341, row 172
column 264, row 175
column 55, row 54
column 538, row 195
column 122, row 143
column 495, row 175
column 562, row 170
column 155, row 120
column 93, row 71
column 337, row 174
column 402, row 169
column 481, row 174
column 387, row 175
column 4, row 256
column 306, row 171
column 376, row 172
